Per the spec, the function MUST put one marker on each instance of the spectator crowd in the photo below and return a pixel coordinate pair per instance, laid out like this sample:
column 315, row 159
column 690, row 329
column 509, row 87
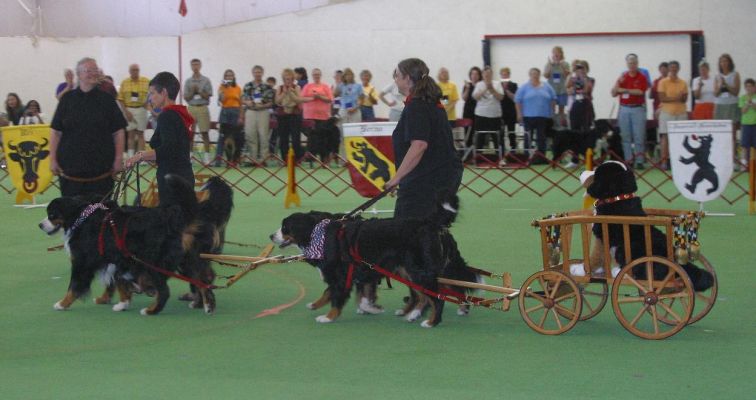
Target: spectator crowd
column 266, row 116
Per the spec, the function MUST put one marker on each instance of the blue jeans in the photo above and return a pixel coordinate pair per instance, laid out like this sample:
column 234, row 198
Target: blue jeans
column 632, row 122
column 368, row 114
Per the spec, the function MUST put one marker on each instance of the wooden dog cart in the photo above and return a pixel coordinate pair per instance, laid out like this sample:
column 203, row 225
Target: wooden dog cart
column 553, row 300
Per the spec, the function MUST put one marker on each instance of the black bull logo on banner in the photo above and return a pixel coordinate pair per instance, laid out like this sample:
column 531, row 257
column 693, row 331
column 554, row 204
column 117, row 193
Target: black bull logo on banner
column 28, row 154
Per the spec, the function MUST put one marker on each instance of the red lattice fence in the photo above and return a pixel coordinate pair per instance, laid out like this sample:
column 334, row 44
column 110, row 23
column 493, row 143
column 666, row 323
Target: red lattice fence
column 481, row 178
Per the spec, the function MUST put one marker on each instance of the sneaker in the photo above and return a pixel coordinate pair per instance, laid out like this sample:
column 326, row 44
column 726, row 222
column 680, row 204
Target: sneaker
column 206, row 158
column 571, row 165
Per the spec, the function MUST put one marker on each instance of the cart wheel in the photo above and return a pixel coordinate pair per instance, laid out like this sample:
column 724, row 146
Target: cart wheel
column 594, row 296
column 639, row 303
column 545, row 292
column 704, row 300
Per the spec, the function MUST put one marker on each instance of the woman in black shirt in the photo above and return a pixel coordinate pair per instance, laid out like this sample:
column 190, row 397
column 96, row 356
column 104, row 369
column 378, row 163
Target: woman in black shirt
column 171, row 141
column 423, row 144
column 468, row 112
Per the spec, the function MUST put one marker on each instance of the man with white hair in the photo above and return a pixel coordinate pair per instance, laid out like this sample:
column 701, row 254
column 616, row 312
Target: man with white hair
column 133, row 97
column 86, row 136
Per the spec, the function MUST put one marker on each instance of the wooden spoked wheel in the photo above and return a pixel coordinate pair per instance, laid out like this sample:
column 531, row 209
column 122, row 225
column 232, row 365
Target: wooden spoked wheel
column 704, row 300
column 594, row 296
column 639, row 303
column 550, row 302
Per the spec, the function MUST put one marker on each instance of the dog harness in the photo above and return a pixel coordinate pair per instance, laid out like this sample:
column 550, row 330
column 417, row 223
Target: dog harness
column 86, row 214
column 316, row 249
column 614, row 199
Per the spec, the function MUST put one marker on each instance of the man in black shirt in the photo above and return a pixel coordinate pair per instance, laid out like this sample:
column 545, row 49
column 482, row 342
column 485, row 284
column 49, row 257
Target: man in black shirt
column 86, row 136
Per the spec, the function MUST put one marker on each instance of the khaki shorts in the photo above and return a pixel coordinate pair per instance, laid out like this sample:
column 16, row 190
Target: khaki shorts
column 666, row 117
column 139, row 123
column 201, row 116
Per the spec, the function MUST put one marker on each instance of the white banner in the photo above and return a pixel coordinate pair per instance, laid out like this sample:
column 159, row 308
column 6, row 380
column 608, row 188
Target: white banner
column 701, row 157
column 369, row 129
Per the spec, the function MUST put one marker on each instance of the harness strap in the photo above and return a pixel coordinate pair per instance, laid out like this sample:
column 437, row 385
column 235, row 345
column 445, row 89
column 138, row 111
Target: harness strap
column 354, row 252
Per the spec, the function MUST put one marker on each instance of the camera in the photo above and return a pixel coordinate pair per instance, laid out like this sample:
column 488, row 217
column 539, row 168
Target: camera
column 723, row 88
column 227, row 82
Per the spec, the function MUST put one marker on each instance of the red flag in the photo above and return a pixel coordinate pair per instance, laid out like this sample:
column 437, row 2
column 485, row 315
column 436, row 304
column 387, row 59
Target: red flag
column 182, row 8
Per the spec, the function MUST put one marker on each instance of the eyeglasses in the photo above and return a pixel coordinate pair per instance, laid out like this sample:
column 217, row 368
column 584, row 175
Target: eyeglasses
column 89, row 71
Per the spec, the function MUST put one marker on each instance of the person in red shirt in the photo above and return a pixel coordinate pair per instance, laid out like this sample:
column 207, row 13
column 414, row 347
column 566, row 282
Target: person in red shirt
column 631, row 89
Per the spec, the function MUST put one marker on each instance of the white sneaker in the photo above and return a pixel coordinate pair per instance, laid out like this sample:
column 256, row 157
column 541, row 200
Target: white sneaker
column 571, row 165
column 206, row 158
column 577, row 270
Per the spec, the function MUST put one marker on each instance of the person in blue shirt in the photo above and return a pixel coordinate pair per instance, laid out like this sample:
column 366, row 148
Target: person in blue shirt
column 535, row 103
column 350, row 93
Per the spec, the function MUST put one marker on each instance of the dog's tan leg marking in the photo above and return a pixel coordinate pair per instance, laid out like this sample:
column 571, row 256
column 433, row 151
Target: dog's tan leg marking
column 65, row 302
column 324, row 299
column 124, row 293
column 106, row 296
column 433, row 312
column 333, row 313
column 68, row 299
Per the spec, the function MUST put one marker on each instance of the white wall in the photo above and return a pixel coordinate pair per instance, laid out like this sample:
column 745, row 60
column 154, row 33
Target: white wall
column 376, row 34
column 35, row 72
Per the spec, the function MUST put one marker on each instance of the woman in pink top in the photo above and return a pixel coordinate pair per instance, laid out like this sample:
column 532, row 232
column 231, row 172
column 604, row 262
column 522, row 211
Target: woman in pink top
column 316, row 99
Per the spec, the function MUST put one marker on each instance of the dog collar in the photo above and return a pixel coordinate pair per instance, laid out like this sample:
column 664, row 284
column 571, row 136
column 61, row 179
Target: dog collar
column 614, row 199
column 316, row 249
column 86, row 214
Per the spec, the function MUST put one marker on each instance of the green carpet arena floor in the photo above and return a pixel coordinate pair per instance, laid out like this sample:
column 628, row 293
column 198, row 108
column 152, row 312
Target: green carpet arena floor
column 92, row 352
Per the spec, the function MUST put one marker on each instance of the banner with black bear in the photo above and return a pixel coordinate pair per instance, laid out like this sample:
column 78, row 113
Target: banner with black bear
column 371, row 155
column 701, row 157
column 27, row 154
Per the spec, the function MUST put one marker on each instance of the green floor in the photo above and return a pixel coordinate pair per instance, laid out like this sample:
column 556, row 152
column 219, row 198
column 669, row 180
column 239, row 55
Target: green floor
column 92, row 352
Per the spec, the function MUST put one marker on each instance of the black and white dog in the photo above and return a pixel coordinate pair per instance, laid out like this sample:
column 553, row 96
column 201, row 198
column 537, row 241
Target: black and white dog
column 418, row 249
column 613, row 184
column 121, row 243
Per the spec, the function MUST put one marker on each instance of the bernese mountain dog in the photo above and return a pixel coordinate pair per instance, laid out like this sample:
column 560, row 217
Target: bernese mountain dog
column 614, row 180
column 417, row 249
column 132, row 244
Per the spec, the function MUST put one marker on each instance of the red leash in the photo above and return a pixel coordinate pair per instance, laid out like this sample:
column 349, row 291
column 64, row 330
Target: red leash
column 353, row 251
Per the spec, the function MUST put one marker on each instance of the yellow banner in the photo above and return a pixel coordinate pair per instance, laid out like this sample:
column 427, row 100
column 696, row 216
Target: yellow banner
column 27, row 154
column 369, row 160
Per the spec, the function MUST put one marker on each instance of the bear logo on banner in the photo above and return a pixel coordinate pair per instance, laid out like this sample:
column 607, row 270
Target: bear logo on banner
column 368, row 158
column 370, row 153
column 701, row 157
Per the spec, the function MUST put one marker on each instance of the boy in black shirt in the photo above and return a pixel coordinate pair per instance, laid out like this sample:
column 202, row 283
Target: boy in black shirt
column 171, row 142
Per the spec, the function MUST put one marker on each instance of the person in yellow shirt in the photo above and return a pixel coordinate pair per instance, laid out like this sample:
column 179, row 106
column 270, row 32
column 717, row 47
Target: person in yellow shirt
column 133, row 98
column 449, row 95
column 369, row 96
column 673, row 94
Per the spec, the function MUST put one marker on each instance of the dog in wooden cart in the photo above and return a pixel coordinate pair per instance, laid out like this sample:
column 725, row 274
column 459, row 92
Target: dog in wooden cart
column 345, row 250
column 613, row 185
column 128, row 245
